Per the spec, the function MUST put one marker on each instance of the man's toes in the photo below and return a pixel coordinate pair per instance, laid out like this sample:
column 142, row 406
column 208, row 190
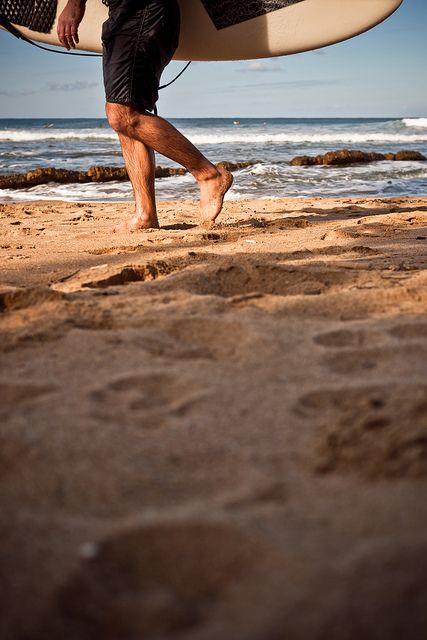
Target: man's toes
column 207, row 223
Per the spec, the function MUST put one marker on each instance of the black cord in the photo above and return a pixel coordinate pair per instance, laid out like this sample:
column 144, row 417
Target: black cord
column 4, row 22
column 176, row 77
column 65, row 53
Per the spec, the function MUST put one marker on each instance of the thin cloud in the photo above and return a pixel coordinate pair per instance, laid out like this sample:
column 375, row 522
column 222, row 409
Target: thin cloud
column 78, row 85
column 260, row 67
column 293, row 84
column 17, row 93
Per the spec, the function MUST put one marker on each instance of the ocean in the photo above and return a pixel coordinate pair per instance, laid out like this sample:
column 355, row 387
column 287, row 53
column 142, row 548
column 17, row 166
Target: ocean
column 271, row 143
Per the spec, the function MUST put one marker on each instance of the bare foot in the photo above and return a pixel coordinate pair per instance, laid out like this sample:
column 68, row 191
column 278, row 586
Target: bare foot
column 212, row 192
column 136, row 223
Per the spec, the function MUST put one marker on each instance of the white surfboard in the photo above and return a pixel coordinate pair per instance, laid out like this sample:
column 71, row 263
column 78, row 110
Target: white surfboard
column 242, row 30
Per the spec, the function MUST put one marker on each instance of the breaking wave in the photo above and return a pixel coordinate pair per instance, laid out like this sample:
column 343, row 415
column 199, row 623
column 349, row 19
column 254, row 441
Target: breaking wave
column 23, row 135
column 415, row 122
column 239, row 137
column 313, row 138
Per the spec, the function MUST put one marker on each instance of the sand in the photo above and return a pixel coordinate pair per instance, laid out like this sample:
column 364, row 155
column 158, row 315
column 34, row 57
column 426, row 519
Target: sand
column 214, row 435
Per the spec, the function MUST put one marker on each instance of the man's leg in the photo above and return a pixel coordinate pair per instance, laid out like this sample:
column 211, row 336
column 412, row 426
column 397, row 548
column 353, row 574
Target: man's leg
column 160, row 135
column 139, row 161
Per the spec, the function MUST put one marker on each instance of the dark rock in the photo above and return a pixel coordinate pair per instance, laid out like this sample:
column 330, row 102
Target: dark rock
column 38, row 176
column 94, row 174
column 233, row 166
column 347, row 156
column 103, row 174
column 303, row 161
column 166, row 172
column 409, row 155
column 352, row 156
column 41, row 176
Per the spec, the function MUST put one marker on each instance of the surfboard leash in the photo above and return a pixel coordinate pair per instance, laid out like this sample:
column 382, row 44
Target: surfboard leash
column 163, row 86
column 4, row 22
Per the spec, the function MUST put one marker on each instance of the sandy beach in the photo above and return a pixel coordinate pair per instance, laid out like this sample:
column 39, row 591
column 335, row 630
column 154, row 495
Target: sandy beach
column 214, row 435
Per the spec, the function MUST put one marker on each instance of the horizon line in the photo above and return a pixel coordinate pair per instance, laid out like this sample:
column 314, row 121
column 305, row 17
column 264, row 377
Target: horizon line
column 236, row 117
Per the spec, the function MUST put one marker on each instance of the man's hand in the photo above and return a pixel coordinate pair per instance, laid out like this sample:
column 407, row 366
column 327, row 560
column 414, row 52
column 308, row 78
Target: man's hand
column 68, row 23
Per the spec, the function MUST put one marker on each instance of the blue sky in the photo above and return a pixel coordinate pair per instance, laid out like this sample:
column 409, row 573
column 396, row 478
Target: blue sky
column 380, row 73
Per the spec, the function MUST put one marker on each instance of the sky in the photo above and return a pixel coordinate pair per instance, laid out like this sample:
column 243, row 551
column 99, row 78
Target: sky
column 381, row 73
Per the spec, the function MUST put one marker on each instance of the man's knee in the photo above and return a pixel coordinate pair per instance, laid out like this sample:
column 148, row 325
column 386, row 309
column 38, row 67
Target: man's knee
column 123, row 118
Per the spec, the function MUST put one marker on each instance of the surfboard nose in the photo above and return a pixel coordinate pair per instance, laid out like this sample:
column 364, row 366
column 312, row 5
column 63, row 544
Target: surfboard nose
column 292, row 26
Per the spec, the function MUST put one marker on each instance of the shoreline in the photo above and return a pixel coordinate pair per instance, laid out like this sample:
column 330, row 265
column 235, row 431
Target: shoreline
column 342, row 158
column 227, row 427
column 76, row 145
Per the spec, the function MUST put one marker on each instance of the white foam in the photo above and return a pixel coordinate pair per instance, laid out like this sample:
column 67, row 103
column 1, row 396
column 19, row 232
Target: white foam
column 73, row 192
column 301, row 138
column 415, row 122
column 24, row 135
column 262, row 169
column 241, row 137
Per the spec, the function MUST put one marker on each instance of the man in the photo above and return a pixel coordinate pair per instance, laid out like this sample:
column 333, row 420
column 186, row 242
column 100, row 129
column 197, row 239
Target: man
column 139, row 39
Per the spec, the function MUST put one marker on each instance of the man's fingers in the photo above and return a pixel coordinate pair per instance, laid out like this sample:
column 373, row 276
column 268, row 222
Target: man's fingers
column 68, row 35
column 70, row 41
column 66, row 42
column 60, row 33
column 62, row 36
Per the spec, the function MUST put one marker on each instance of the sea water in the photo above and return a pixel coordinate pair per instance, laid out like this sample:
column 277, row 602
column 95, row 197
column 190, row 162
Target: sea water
column 270, row 144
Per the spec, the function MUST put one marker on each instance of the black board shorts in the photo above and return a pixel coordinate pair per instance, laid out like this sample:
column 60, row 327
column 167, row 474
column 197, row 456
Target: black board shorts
column 138, row 41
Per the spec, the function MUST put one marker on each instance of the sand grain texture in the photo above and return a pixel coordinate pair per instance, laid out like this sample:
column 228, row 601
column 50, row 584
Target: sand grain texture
column 214, row 434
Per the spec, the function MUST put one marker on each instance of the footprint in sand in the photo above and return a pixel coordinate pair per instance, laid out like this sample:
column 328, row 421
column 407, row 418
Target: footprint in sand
column 169, row 580
column 29, row 297
column 116, row 250
column 379, row 431
column 343, row 338
column 16, row 395
column 403, row 360
column 410, row 331
column 16, row 398
column 267, row 279
column 221, row 340
column 103, row 276
column 145, row 400
column 347, row 251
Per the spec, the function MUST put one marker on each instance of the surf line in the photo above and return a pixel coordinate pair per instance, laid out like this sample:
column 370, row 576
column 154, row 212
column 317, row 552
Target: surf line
column 6, row 24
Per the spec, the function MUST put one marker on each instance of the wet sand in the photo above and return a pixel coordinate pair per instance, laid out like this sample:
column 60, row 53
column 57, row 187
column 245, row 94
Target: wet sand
column 218, row 434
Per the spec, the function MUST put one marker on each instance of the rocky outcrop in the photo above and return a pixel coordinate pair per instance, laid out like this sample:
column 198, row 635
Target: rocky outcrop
column 62, row 176
column 402, row 156
column 351, row 156
column 167, row 172
column 234, row 166
column 94, row 174
column 106, row 174
column 303, row 161
column 39, row 176
column 65, row 176
column 103, row 174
